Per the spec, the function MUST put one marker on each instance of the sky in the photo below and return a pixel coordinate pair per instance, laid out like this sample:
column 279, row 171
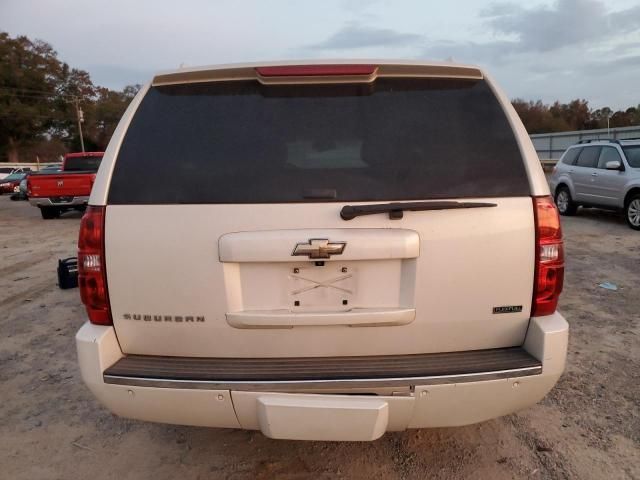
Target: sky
column 547, row 50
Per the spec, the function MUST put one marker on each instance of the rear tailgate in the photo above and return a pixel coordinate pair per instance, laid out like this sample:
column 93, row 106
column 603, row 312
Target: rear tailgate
column 223, row 194
column 63, row 185
column 165, row 275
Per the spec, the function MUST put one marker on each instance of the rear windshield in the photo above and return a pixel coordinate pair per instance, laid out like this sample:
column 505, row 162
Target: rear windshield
column 82, row 164
column 243, row 142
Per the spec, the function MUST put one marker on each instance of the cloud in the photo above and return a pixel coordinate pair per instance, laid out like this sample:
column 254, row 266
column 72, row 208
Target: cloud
column 603, row 67
column 568, row 22
column 543, row 29
column 355, row 36
column 626, row 20
column 114, row 76
column 489, row 52
column 500, row 8
column 545, row 49
column 569, row 49
column 358, row 6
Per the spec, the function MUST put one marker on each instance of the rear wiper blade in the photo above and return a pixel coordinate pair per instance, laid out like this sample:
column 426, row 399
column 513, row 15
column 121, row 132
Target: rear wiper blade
column 396, row 209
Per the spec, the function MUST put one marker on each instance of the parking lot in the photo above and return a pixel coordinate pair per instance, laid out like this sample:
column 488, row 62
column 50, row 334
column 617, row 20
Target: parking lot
column 52, row 428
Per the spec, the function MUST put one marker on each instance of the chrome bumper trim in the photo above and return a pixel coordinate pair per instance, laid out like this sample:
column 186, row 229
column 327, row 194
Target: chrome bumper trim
column 46, row 202
column 359, row 383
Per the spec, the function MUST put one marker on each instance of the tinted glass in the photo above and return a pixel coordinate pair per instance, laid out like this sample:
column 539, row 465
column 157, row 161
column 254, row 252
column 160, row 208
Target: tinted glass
column 608, row 154
column 633, row 155
column 82, row 164
column 242, row 142
column 588, row 157
column 571, row 155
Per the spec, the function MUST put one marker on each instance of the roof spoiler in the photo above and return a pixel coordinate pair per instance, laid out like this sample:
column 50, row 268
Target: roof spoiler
column 316, row 73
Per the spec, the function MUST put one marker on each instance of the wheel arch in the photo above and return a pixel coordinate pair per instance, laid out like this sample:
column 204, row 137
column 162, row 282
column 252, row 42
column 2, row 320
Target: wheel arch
column 632, row 191
column 561, row 184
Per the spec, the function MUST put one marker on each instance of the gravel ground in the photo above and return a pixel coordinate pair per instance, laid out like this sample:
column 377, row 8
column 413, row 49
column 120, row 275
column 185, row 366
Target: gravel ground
column 52, row 428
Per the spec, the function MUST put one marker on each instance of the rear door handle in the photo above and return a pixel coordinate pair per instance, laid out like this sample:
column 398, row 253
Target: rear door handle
column 594, row 174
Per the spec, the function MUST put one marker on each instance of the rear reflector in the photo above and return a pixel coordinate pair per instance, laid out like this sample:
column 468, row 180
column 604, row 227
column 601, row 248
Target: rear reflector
column 315, row 70
column 549, row 270
column 92, row 278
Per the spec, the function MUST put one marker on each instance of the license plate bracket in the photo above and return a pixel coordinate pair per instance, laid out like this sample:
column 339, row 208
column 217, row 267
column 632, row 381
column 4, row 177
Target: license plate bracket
column 322, row 285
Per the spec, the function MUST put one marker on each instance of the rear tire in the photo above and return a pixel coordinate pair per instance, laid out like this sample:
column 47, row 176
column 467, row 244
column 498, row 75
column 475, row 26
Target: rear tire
column 49, row 213
column 565, row 204
column 632, row 212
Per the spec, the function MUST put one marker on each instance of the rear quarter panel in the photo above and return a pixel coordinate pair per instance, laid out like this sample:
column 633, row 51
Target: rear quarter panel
column 561, row 177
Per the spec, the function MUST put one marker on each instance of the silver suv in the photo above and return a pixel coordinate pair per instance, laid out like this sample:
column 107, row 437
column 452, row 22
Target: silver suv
column 599, row 173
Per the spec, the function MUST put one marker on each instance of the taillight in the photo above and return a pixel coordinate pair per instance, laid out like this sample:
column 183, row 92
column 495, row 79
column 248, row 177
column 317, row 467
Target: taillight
column 315, row 70
column 92, row 278
column 549, row 270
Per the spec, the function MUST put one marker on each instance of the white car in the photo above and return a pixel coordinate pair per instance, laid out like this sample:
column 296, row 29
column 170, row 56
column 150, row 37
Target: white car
column 321, row 251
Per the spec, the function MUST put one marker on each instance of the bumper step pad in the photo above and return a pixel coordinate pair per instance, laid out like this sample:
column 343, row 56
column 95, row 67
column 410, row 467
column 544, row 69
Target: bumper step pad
column 504, row 362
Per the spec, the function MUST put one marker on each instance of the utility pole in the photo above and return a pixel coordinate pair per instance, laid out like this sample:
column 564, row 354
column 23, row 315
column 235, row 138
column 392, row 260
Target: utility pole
column 80, row 115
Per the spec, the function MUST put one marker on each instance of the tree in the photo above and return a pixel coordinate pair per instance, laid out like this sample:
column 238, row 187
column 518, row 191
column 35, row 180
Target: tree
column 575, row 115
column 74, row 89
column 540, row 118
column 106, row 113
column 600, row 116
column 39, row 95
column 29, row 72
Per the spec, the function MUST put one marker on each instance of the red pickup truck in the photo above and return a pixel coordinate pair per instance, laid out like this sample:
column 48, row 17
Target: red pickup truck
column 69, row 190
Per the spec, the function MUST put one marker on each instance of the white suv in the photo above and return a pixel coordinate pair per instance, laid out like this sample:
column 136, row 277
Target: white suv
column 321, row 251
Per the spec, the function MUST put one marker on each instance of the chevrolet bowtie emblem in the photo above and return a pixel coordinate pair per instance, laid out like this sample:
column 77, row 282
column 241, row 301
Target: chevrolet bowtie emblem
column 319, row 248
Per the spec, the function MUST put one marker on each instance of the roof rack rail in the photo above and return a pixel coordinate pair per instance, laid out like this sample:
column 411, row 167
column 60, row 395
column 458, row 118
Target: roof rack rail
column 610, row 140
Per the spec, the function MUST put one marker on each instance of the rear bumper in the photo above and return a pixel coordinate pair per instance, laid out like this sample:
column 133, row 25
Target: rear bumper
column 51, row 202
column 318, row 411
